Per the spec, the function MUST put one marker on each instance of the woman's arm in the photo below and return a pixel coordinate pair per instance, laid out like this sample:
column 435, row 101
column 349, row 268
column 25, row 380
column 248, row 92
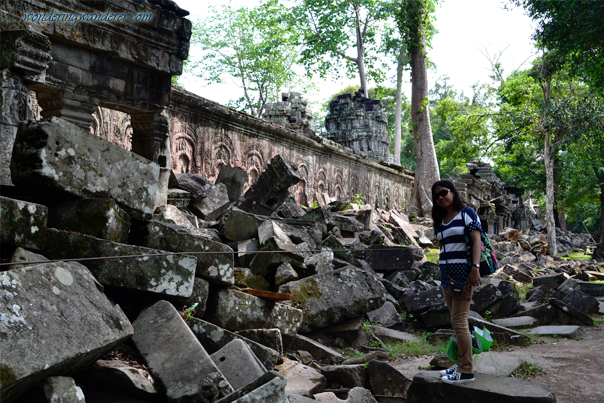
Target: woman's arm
column 474, row 277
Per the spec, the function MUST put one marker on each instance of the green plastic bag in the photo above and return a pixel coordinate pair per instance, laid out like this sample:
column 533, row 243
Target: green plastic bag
column 476, row 344
column 484, row 336
column 451, row 349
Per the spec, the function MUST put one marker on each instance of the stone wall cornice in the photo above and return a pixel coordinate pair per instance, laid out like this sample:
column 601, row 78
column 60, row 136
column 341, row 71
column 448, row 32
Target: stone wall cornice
column 189, row 103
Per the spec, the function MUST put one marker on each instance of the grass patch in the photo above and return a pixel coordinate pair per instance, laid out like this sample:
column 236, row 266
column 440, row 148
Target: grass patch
column 350, row 353
column 578, row 256
column 432, row 255
column 527, row 371
column 522, row 290
column 417, row 347
column 599, row 322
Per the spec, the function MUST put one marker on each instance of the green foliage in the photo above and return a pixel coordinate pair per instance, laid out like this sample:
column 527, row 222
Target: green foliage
column 188, row 311
column 522, row 290
column 417, row 347
column 253, row 47
column 432, row 255
column 528, row 371
column 577, row 256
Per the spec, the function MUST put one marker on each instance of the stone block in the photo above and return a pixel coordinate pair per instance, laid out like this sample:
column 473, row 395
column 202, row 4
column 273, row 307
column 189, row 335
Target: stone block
column 238, row 225
column 346, row 223
column 396, row 291
column 581, row 302
column 100, row 218
column 564, row 288
column 332, row 297
column 349, row 330
column 22, row 223
column 208, row 201
column 172, row 215
column 319, row 263
column 567, row 315
column 518, row 322
column 169, row 275
column 285, row 274
column 429, row 271
column 346, row 376
column 199, row 296
column 421, row 302
column 427, row 387
column 355, row 395
column 318, row 351
column 544, row 314
column 550, row 281
column 23, row 255
column 339, row 250
column 235, row 310
column 591, row 288
column 301, row 379
column 485, row 296
column 385, row 380
column 382, row 258
column 267, row 337
column 176, row 358
column 54, row 320
column 506, row 306
column 213, row 338
column 271, row 189
column 269, row 388
column 55, row 155
column 565, row 331
column 234, row 179
column 498, row 364
column 436, row 316
column 290, row 210
column 387, row 316
column 392, row 336
column 61, row 389
column 217, row 268
column 507, row 287
column 238, row 364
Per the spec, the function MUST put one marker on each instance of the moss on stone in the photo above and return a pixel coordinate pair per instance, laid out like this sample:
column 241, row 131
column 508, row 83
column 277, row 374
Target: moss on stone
column 308, row 289
column 7, row 376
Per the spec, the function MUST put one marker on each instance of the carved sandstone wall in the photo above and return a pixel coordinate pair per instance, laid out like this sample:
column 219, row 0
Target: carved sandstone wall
column 205, row 135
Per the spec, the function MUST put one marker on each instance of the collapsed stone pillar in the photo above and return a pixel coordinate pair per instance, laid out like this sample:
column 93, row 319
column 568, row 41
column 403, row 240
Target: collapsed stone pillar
column 75, row 107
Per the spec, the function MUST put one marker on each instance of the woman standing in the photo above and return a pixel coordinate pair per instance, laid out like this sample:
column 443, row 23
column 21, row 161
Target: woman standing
column 452, row 221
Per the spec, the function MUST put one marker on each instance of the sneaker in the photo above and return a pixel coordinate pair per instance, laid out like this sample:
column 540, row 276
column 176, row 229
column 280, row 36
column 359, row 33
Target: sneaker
column 458, row 377
column 449, row 371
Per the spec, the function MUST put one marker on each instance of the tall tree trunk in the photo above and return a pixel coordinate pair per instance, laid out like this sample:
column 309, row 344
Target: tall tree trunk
column 399, row 108
column 360, row 60
column 599, row 252
column 549, row 196
column 427, row 171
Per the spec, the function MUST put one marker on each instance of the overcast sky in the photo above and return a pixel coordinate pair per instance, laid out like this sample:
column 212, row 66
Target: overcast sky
column 467, row 30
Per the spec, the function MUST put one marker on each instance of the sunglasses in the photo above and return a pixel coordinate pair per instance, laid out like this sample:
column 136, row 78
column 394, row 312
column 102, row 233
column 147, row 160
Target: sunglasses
column 442, row 193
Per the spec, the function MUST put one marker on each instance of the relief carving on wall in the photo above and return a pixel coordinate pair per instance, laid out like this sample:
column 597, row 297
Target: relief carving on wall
column 221, row 154
column 253, row 163
column 302, row 193
column 113, row 126
column 183, row 154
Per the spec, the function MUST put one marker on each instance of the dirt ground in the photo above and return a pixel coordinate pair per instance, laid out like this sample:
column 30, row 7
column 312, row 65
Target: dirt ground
column 573, row 368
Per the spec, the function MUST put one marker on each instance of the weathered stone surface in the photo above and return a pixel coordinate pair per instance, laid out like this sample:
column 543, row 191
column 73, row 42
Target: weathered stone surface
column 238, row 225
column 267, row 337
column 238, row 364
column 100, row 218
column 355, row 395
column 61, row 389
column 386, row 259
column 269, row 388
column 567, row 315
column 567, row 331
column 319, row 263
column 176, row 358
column 285, row 274
column 208, row 201
column 507, row 287
column 119, row 377
column 390, row 335
column 301, row 379
column 581, row 302
column 271, row 188
column 347, row 376
column 217, row 268
column 346, row 223
column 318, row 351
column 544, row 314
column 385, row 380
column 441, row 361
column 506, row 306
column 417, row 303
column 550, row 281
column 170, row 275
column 235, row 310
column 485, row 296
column 199, row 296
column 566, row 287
column 386, row 316
column 496, row 364
column 501, row 334
column 592, row 288
column 332, row 297
column 339, row 250
column 519, row 322
column 436, row 316
column 441, row 335
column 22, row 223
column 23, row 255
column 234, row 179
column 213, row 338
column 348, row 330
column 54, row 154
column 53, row 319
column 172, row 215
column 427, row 387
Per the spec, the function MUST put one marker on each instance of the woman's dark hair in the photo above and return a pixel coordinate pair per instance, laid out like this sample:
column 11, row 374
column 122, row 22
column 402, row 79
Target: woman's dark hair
column 438, row 213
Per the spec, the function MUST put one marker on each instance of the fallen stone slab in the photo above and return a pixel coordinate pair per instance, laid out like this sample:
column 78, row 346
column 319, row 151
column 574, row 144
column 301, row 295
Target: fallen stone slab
column 485, row 296
column 567, row 315
column 550, row 281
column 100, row 218
column 339, row 250
column 119, row 377
column 234, row 179
column 441, row 361
column 54, row 155
column 501, row 334
column 519, row 322
column 387, row 316
column 269, row 388
column 22, row 223
column 346, row 376
column 24, row 255
column 271, row 237
column 213, row 338
column 422, row 301
column 169, row 275
column 392, row 336
column 355, row 395
column 62, row 389
column 566, row 287
column 348, row 330
column 544, row 314
column 53, row 320
column 271, row 189
column 285, row 274
column 238, row 225
column 592, row 288
column 348, row 224
column 427, row 387
column 238, row 364
column 217, row 268
column 235, row 310
column 318, row 351
column 294, row 398
column 332, row 297
column 496, row 364
column 176, row 358
column 173, row 215
column 387, row 259
column 581, row 302
column 301, row 379
column 566, row 331
column 506, row 306
column 267, row 337
column 199, row 296
column 385, row 380
column 208, row 201
column 436, row 316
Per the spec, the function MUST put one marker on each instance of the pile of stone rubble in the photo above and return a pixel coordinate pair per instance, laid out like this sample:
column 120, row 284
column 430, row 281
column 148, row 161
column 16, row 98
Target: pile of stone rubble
column 259, row 308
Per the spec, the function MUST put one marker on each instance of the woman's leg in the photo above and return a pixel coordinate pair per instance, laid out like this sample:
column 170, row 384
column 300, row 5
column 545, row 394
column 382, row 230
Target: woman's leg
column 459, row 320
